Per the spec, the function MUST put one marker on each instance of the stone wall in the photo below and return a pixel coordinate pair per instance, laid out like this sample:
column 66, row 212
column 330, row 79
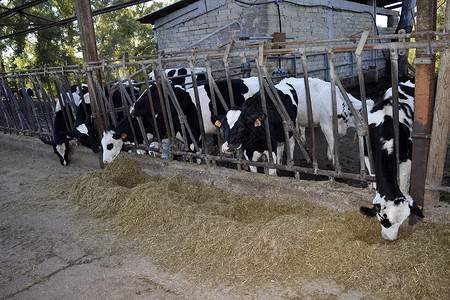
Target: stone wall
column 301, row 20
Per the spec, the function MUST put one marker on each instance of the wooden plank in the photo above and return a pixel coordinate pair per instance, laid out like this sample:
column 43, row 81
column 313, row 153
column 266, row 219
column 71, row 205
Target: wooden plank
column 441, row 122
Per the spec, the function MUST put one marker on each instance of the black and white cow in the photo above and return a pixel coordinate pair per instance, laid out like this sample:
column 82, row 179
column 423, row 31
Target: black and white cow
column 244, row 126
column 116, row 136
column 242, row 89
column 20, row 93
column 321, row 104
column 61, row 129
column 83, row 129
column 181, row 76
column 392, row 203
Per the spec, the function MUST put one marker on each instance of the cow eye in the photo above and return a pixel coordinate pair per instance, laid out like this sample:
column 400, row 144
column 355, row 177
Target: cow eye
column 109, row 146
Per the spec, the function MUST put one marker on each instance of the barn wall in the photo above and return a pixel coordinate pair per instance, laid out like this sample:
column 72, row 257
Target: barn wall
column 224, row 20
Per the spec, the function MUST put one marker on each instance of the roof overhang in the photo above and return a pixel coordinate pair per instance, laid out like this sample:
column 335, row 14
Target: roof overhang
column 160, row 13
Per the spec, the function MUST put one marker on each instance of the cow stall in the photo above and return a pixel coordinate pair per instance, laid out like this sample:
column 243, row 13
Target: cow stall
column 22, row 114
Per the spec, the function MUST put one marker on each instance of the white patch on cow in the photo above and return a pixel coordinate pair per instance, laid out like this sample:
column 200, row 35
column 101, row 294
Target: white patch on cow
column 225, row 148
column 404, row 176
column 82, row 129
column 111, row 147
column 377, row 117
column 76, row 98
column 388, row 145
column 87, row 99
column 252, row 84
column 58, row 107
column 396, row 214
column 61, row 148
column 209, row 127
column 286, row 89
column 232, row 117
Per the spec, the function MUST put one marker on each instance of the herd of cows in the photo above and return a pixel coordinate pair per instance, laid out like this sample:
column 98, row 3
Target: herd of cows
column 243, row 127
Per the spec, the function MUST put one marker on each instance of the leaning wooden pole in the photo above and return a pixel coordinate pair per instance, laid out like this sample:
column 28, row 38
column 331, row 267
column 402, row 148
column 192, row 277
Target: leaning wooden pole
column 423, row 102
column 441, row 123
column 89, row 50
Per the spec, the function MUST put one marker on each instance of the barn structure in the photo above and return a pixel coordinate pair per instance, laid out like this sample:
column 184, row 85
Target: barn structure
column 334, row 40
column 188, row 24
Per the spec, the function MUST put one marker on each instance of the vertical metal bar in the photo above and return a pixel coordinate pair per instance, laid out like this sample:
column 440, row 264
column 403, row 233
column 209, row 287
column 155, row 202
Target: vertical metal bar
column 362, row 89
column 48, row 103
column 309, row 108
column 260, row 64
column 337, row 166
column 126, row 109
column 67, row 115
column 164, row 100
column 27, row 105
column 100, row 125
column 32, row 110
column 152, row 107
column 198, row 105
column 394, row 79
column 227, row 70
column 39, row 101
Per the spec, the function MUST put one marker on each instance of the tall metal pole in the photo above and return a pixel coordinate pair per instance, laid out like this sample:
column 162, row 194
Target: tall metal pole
column 423, row 103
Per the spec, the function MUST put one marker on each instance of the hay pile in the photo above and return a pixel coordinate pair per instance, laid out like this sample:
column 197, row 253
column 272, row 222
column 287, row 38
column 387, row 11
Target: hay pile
column 213, row 235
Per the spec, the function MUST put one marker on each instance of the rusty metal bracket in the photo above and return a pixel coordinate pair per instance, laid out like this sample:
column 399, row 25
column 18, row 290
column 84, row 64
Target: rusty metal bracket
column 421, row 135
column 402, row 40
column 422, row 61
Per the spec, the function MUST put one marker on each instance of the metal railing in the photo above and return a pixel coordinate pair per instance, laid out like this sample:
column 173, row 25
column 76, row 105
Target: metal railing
column 22, row 114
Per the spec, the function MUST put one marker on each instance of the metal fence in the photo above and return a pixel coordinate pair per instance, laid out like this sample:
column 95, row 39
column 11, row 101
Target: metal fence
column 23, row 114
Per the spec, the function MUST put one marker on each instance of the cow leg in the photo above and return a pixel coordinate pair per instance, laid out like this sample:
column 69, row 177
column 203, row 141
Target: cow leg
column 275, row 159
column 404, row 176
column 255, row 157
column 280, row 150
column 328, row 132
column 303, row 135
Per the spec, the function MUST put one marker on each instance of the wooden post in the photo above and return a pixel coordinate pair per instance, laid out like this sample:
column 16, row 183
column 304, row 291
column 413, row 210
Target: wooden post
column 89, row 49
column 423, row 104
column 441, row 122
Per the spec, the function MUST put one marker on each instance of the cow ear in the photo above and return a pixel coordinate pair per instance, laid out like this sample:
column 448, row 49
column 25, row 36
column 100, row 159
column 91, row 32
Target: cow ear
column 123, row 136
column 216, row 120
column 259, row 119
column 371, row 212
column 416, row 209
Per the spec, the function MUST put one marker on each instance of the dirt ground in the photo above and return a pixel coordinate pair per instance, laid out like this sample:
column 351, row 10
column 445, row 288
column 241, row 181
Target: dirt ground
column 51, row 249
column 48, row 249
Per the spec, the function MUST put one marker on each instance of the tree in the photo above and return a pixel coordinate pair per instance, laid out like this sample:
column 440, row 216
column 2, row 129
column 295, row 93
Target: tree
column 116, row 32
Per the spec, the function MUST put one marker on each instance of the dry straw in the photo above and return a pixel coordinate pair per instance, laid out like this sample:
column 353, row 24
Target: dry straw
column 211, row 235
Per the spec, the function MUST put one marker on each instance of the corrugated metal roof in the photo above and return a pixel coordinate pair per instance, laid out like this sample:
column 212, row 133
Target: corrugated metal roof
column 152, row 17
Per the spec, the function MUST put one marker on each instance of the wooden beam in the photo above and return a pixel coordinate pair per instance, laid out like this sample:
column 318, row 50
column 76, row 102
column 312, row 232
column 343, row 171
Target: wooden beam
column 89, row 50
column 441, row 122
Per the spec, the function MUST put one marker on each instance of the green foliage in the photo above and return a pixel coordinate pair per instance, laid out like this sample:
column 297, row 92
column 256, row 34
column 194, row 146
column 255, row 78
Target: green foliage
column 440, row 16
column 116, row 32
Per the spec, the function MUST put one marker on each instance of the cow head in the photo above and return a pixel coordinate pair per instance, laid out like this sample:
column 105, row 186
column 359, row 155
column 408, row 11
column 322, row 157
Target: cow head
column 84, row 133
column 392, row 213
column 238, row 127
column 60, row 148
column 112, row 144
